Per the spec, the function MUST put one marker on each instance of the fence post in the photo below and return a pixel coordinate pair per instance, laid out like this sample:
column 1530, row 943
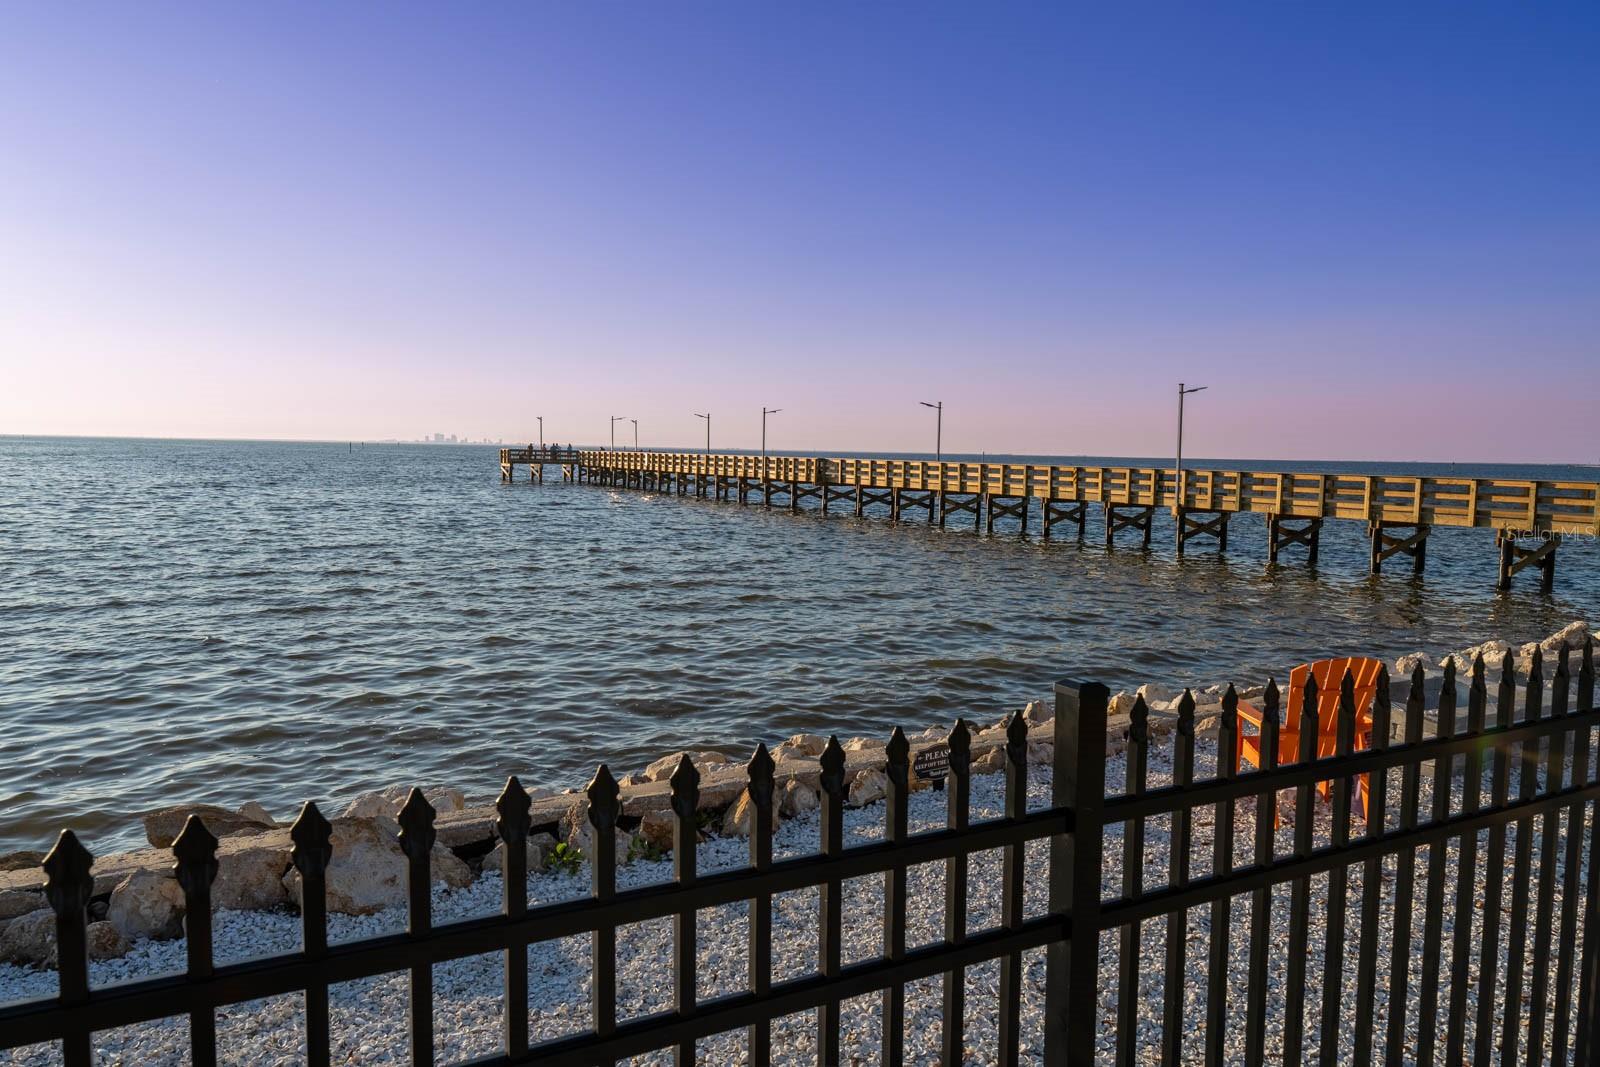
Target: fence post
column 1078, row 782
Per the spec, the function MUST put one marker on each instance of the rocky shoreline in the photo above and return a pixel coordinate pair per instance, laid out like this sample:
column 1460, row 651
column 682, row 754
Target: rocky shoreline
column 136, row 896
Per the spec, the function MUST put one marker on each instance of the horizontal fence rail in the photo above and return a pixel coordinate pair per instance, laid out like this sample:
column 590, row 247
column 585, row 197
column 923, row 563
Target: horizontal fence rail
column 1186, row 917
column 1527, row 507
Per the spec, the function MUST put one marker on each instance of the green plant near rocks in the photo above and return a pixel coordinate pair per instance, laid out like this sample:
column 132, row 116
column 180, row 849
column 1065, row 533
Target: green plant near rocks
column 642, row 848
column 565, row 859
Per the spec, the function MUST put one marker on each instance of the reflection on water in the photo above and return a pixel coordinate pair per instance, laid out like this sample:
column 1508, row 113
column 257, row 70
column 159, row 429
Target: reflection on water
column 227, row 622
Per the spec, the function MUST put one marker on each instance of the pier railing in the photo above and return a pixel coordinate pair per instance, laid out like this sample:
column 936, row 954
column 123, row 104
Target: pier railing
column 1471, row 932
column 538, row 454
column 1497, row 503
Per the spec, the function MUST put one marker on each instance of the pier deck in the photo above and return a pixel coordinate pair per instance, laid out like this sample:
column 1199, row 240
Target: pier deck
column 1399, row 510
column 535, row 458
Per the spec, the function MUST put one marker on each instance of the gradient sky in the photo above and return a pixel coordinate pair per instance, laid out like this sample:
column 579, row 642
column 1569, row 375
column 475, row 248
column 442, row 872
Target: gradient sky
column 1373, row 232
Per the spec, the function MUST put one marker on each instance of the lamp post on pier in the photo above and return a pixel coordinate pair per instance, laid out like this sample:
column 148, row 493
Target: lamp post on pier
column 541, row 431
column 614, row 420
column 707, row 417
column 635, row 434
column 938, row 428
column 765, row 411
column 1177, row 472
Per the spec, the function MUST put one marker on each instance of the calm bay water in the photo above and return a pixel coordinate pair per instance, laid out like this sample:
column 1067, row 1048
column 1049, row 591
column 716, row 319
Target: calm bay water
column 224, row 622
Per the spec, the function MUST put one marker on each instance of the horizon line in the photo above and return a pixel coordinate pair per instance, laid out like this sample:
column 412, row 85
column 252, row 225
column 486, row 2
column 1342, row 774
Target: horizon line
column 780, row 451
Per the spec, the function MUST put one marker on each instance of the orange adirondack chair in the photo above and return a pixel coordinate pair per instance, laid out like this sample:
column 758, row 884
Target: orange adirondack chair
column 1329, row 674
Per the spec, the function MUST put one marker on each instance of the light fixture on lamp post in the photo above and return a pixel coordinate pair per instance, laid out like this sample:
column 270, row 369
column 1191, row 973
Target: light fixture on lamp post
column 707, row 417
column 764, row 413
column 938, row 428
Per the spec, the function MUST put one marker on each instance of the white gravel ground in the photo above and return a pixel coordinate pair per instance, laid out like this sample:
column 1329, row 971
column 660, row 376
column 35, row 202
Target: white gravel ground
column 368, row 1016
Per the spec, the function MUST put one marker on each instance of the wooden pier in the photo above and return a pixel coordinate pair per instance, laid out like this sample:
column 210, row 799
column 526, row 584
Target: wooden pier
column 536, row 458
column 1529, row 518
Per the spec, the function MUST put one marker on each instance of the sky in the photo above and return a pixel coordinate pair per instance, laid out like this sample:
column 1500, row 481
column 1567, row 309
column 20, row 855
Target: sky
column 1372, row 230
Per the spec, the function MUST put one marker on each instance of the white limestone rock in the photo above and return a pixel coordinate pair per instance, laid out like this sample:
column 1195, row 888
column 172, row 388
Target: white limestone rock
column 162, row 827
column 538, row 849
column 990, row 761
column 387, row 802
column 1157, row 695
column 250, row 871
column 15, row 902
column 253, row 810
column 443, row 798
column 661, row 770
column 30, row 939
column 1409, row 662
column 869, row 786
column 580, row 832
column 368, row 871
column 798, row 798
column 147, row 904
column 1493, row 652
column 1038, row 712
column 105, row 941
column 369, row 806
column 1570, row 636
column 741, row 817
column 803, row 744
column 656, row 829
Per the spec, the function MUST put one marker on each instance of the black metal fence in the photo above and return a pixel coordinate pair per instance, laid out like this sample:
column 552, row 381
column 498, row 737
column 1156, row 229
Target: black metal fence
column 1523, row 785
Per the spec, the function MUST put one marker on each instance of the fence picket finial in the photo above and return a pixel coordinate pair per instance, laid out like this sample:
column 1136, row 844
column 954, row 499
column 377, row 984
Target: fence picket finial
column 1186, row 714
column 897, row 756
column 1560, row 686
column 511, row 813
column 759, row 771
column 960, row 741
column 832, row 763
column 1016, row 738
column 1138, row 720
column 1381, row 708
column 1228, row 732
column 195, row 849
column 312, row 835
column 603, row 792
column 416, row 825
column 68, row 885
column 685, row 782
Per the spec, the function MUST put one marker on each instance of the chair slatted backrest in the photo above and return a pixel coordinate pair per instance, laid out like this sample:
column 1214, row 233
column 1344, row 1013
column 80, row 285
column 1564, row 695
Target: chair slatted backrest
column 1329, row 674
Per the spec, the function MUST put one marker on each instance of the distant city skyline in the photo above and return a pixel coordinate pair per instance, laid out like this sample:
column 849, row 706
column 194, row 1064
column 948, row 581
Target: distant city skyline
column 1371, row 232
